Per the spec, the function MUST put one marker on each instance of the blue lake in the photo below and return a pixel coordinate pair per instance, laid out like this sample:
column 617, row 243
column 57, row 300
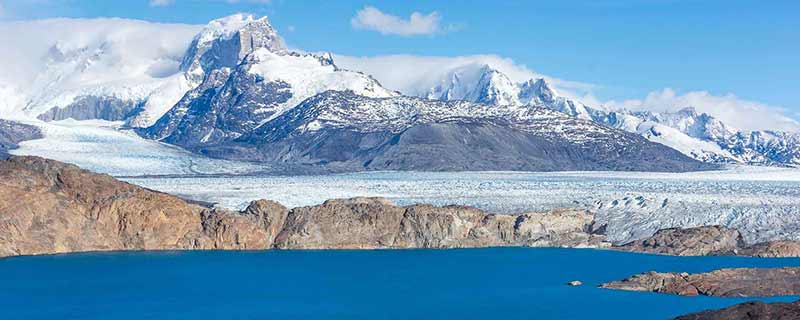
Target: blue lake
column 510, row 283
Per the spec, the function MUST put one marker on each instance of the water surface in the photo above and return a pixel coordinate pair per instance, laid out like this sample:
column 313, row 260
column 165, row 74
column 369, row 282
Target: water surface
column 509, row 283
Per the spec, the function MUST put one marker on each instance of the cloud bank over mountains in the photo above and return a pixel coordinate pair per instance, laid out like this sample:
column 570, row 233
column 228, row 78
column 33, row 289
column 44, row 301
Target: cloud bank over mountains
column 737, row 112
column 151, row 50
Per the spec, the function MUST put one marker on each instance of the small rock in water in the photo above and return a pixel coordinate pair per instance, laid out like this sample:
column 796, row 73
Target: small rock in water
column 575, row 283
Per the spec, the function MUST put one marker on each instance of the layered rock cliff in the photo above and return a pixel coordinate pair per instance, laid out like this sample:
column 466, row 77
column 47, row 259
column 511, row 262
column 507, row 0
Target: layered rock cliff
column 709, row 240
column 51, row 207
column 733, row 282
column 12, row 133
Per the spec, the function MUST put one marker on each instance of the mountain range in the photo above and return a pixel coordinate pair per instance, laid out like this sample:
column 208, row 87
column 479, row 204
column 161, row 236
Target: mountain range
column 238, row 92
column 698, row 135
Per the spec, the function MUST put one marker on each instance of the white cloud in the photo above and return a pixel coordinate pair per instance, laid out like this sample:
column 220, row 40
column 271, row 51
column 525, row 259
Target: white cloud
column 251, row 1
column 164, row 3
column 414, row 75
column 732, row 110
column 370, row 18
column 161, row 3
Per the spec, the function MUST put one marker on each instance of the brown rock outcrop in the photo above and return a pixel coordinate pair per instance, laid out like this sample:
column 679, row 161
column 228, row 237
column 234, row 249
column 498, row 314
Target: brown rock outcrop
column 772, row 249
column 700, row 241
column 51, row 207
column 733, row 282
column 751, row 311
column 368, row 223
column 709, row 240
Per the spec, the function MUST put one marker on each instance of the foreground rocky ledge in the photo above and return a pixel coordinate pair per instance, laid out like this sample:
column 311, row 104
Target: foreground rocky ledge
column 734, row 282
column 750, row 310
column 51, row 207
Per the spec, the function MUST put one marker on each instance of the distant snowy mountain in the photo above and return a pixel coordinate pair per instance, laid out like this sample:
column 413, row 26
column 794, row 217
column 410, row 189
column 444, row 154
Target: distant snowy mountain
column 224, row 83
column 699, row 136
column 260, row 101
column 86, row 69
column 351, row 132
column 249, row 77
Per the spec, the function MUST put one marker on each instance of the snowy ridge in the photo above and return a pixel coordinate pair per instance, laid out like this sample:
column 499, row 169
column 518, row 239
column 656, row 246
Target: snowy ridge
column 308, row 75
column 699, row 136
column 347, row 109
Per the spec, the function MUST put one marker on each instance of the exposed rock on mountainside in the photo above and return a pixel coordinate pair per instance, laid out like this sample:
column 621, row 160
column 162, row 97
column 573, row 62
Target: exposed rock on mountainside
column 751, row 311
column 224, row 42
column 51, row 207
column 343, row 129
column 93, row 107
column 12, row 133
column 734, row 282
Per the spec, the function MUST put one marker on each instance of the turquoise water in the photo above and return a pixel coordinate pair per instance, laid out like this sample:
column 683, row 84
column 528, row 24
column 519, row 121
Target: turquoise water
column 509, row 283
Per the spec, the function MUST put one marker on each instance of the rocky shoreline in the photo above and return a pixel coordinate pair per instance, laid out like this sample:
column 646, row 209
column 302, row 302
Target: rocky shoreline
column 730, row 282
column 709, row 240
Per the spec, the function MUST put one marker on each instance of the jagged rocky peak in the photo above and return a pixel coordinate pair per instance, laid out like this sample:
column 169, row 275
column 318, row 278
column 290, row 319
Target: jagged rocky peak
column 476, row 83
column 537, row 90
column 226, row 41
column 495, row 87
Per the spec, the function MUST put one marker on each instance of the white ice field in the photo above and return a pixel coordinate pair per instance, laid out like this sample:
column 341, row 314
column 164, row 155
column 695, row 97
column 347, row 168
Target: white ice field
column 764, row 203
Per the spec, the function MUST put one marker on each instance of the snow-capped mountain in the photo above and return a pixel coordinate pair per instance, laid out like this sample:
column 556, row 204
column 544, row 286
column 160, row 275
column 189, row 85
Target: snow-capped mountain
column 86, row 69
column 699, row 136
column 247, row 84
column 352, row 132
column 235, row 77
column 276, row 105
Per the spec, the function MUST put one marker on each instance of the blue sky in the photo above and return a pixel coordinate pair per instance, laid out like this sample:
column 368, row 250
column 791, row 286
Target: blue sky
column 628, row 48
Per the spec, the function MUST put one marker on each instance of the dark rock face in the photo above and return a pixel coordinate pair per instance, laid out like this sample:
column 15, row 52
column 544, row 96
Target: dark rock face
column 750, row 311
column 222, row 108
column 773, row 249
column 12, row 133
column 210, row 51
column 736, row 282
column 94, row 107
column 402, row 133
column 51, row 207
column 709, row 240
column 698, row 241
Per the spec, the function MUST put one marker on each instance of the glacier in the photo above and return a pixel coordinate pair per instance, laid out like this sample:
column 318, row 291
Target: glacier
column 763, row 203
column 105, row 147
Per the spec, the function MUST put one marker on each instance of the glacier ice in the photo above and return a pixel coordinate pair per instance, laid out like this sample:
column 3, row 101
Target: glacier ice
column 764, row 203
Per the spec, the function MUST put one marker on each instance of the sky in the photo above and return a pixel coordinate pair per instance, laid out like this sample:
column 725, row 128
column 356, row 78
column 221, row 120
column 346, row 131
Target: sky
column 658, row 53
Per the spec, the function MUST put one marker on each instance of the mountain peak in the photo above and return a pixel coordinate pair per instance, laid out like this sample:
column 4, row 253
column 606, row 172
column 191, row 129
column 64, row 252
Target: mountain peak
column 227, row 27
column 537, row 90
column 226, row 41
column 688, row 111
